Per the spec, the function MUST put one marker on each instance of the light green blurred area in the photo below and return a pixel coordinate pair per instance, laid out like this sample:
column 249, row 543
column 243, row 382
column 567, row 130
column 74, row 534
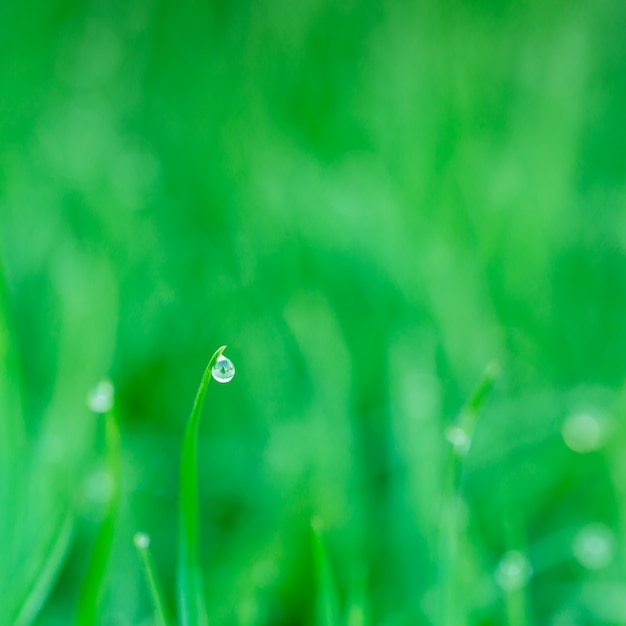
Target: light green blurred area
column 368, row 202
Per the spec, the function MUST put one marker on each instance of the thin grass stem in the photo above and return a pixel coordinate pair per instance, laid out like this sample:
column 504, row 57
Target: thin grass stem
column 454, row 509
column 142, row 543
column 93, row 585
column 48, row 572
column 190, row 585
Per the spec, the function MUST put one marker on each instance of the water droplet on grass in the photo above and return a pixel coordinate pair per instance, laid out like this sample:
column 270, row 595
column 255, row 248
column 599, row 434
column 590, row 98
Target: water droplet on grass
column 223, row 370
column 514, row 571
column 583, row 432
column 459, row 439
column 100, row 398
column 594, row 546
column 141, row 540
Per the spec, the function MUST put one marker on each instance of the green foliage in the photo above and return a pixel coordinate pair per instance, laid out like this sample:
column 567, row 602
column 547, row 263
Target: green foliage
column 369, row 201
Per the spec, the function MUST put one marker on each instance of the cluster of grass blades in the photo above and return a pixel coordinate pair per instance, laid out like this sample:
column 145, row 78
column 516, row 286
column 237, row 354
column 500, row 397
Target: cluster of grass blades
column 328, row 609
column 192, row 610
column 191, row 602
column 190, row 589
column 452, row 611
column 51, row 561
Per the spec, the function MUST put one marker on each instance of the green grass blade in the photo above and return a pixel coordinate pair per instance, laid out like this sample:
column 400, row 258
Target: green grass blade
column 327, row 596
column 467, row 419
column 43, row 584
column 93, row 585
column 516, row 603
column 191, row 601
column 142, row 543
column 514, row 571
column 452, row 526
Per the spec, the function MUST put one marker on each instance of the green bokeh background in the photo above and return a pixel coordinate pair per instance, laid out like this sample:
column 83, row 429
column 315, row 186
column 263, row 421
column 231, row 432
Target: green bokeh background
column 368, row 202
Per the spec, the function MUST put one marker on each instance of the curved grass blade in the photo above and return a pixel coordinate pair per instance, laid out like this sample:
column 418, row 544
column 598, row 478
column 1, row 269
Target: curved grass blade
column 327, row 596
column 142, row 543
column 469, row 413
column 43, row 584
column 453, row 547
column 191, row 601
column 93, row 586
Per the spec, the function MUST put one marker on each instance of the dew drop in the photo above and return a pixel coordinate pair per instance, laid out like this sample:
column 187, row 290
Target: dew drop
column 583, row 432
column 459, row 439
column 223, row 370
column 141, row 540
column 514, row 571
column 100, row 398
column 594, row 546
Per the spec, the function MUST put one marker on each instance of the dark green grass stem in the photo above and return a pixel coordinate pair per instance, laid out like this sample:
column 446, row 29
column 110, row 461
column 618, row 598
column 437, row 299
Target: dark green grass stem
column 142, row 543
column 93, row 586
column 326, row 594
column 190, row 585
column 454, row 509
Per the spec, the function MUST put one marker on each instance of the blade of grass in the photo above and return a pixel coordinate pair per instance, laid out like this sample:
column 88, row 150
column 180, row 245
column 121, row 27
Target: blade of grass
column 142, row 543
column 469, row 413
column 190, row 585
column 48, row 572
column 515, row 571
column 93, row 585
column 516, row 602
column 454, row 510
column 327, row 596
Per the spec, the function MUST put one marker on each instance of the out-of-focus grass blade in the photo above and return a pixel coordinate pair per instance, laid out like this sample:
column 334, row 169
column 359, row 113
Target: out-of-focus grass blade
column 142, row 543
column 327, row 597
column 93, row 586
column 452, row 554
column 358, row 610
column 515, row 597
column 514, row 572
column 467, row 418
column 49, row 569
column 452, row 531
column 191, row 601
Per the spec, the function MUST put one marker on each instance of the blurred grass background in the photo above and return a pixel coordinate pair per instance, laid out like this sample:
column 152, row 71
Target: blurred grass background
column 368, row 202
